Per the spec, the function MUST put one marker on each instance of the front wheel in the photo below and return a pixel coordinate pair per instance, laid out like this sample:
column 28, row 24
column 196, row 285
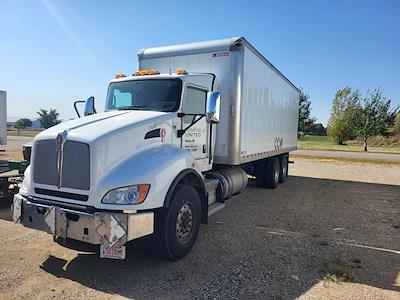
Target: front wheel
column 179, row 224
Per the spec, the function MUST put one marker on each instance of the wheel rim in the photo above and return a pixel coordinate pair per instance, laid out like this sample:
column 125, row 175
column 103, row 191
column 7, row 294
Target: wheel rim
column 184, row 223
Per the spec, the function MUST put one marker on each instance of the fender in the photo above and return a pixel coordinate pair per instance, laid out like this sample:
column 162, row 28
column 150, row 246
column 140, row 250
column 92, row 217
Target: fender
column 157, row 166
column 190, row 176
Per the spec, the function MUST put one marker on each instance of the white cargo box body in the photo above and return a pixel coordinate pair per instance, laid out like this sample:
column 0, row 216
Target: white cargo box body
column 3, row 118
column 259, row 105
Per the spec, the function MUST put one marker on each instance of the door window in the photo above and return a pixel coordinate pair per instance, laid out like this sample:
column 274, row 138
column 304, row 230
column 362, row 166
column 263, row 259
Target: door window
column 194, row 103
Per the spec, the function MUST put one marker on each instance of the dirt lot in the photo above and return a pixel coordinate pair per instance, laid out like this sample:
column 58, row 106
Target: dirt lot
column 330, row 231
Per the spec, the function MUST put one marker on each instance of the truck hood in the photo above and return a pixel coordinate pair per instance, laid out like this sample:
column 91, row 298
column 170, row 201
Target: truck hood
column 91, row 128
column 112, row 137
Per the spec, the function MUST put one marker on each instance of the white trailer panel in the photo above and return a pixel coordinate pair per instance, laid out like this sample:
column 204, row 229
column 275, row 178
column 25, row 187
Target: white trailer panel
column 259, row 105
column 269, row 111
column 3, row 118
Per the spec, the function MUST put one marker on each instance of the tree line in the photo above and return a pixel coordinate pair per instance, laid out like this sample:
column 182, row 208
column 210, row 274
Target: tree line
column 354, row 115
column 47, row 118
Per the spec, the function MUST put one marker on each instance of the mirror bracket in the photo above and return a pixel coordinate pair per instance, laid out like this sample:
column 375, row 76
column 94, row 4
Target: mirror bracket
column 76, row 109
column 181, row 132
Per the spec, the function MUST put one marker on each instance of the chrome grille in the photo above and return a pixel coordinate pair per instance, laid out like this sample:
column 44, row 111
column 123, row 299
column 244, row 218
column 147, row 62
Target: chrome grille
column 76, row 164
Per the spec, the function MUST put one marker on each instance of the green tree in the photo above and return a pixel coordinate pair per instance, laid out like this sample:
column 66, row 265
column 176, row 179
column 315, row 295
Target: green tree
column 375, row 116
column 305, row 121
column 344, row 114
column 318, row 129
column 22, row 123
column 396, row 125
column 48, row 118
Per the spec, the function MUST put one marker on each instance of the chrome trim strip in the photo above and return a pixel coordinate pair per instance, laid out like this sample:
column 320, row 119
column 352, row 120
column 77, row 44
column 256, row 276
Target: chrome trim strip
column 60, row 140
column 266, row 154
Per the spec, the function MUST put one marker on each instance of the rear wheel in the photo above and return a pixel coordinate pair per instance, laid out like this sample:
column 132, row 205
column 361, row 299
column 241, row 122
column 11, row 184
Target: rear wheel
column 272, row 173
column 179, row 224
column 267, row 172
column 260, row 172
column 284, row 167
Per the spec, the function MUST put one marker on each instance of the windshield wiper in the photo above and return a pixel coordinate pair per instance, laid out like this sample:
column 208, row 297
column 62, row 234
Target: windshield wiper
column 132, row 107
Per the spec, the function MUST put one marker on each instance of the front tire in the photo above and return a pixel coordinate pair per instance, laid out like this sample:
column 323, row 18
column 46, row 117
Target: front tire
column 179, row 224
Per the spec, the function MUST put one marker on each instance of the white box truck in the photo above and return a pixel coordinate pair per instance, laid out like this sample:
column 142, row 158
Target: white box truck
column 176, row 140
column 3, row 118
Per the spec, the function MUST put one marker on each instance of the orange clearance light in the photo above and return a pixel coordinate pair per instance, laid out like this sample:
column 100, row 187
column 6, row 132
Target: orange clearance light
column 153, row 72
column 141, row 72
column 181, row 72
column 143, row 190
column 119, row 75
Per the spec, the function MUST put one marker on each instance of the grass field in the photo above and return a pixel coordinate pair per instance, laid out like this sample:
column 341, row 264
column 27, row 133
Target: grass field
column 31, row 133
column 310, row 142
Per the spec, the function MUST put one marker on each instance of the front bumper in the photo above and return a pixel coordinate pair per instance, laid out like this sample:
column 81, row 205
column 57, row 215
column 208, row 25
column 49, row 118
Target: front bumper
column 100, row 228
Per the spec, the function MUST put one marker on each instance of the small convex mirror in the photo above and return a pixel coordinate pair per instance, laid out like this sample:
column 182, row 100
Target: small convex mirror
column 213, row 107
column 89, row 107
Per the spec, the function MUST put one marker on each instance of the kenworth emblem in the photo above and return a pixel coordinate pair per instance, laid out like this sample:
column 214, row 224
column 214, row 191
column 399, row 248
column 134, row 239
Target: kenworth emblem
column 60, row 141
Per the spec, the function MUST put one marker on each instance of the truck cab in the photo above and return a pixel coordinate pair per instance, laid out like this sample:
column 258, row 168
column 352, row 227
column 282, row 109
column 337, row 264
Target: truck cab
column 183, row 95
column 155, row 133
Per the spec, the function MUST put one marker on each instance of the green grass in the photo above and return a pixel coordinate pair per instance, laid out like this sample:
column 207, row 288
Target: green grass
column 31, row 133
column 310, row 142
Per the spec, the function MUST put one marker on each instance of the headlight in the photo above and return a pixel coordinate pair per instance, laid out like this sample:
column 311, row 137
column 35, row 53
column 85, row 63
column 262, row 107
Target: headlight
column 133, row 194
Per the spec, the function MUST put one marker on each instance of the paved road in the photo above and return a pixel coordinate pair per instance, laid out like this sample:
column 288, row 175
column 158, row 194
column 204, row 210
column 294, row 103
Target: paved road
column 15, row 143
column 345, row 154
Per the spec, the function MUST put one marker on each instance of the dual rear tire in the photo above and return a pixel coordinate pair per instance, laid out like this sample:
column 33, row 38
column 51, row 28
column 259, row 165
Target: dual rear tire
column 272, row 171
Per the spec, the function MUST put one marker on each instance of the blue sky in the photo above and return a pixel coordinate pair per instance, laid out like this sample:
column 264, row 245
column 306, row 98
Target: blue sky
column 55, row 52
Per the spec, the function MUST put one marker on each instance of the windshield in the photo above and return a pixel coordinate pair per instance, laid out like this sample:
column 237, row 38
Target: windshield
column 147, row 94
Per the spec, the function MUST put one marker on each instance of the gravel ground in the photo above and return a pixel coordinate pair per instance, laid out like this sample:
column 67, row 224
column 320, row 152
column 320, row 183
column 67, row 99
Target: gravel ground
column 15, row 143
column 330, row 231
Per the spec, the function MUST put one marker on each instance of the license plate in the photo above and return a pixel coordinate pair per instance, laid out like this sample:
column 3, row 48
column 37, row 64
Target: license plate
column 116, row 252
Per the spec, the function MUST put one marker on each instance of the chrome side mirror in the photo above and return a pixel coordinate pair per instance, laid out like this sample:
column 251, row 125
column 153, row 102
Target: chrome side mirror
column 213, row 107
column 89, row 107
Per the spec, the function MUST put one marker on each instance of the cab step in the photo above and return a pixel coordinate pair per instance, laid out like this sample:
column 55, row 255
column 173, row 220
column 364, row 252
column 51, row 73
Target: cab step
column 211, row 185
column 216, row 206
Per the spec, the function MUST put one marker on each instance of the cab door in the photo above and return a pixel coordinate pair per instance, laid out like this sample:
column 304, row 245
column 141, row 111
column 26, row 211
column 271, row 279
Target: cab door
column 195, row 139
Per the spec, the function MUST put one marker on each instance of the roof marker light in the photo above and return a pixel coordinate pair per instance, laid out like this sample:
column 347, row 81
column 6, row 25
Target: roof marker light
column 181, row 72
column 146, row 72
column 153, row 72
column 119, row 75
